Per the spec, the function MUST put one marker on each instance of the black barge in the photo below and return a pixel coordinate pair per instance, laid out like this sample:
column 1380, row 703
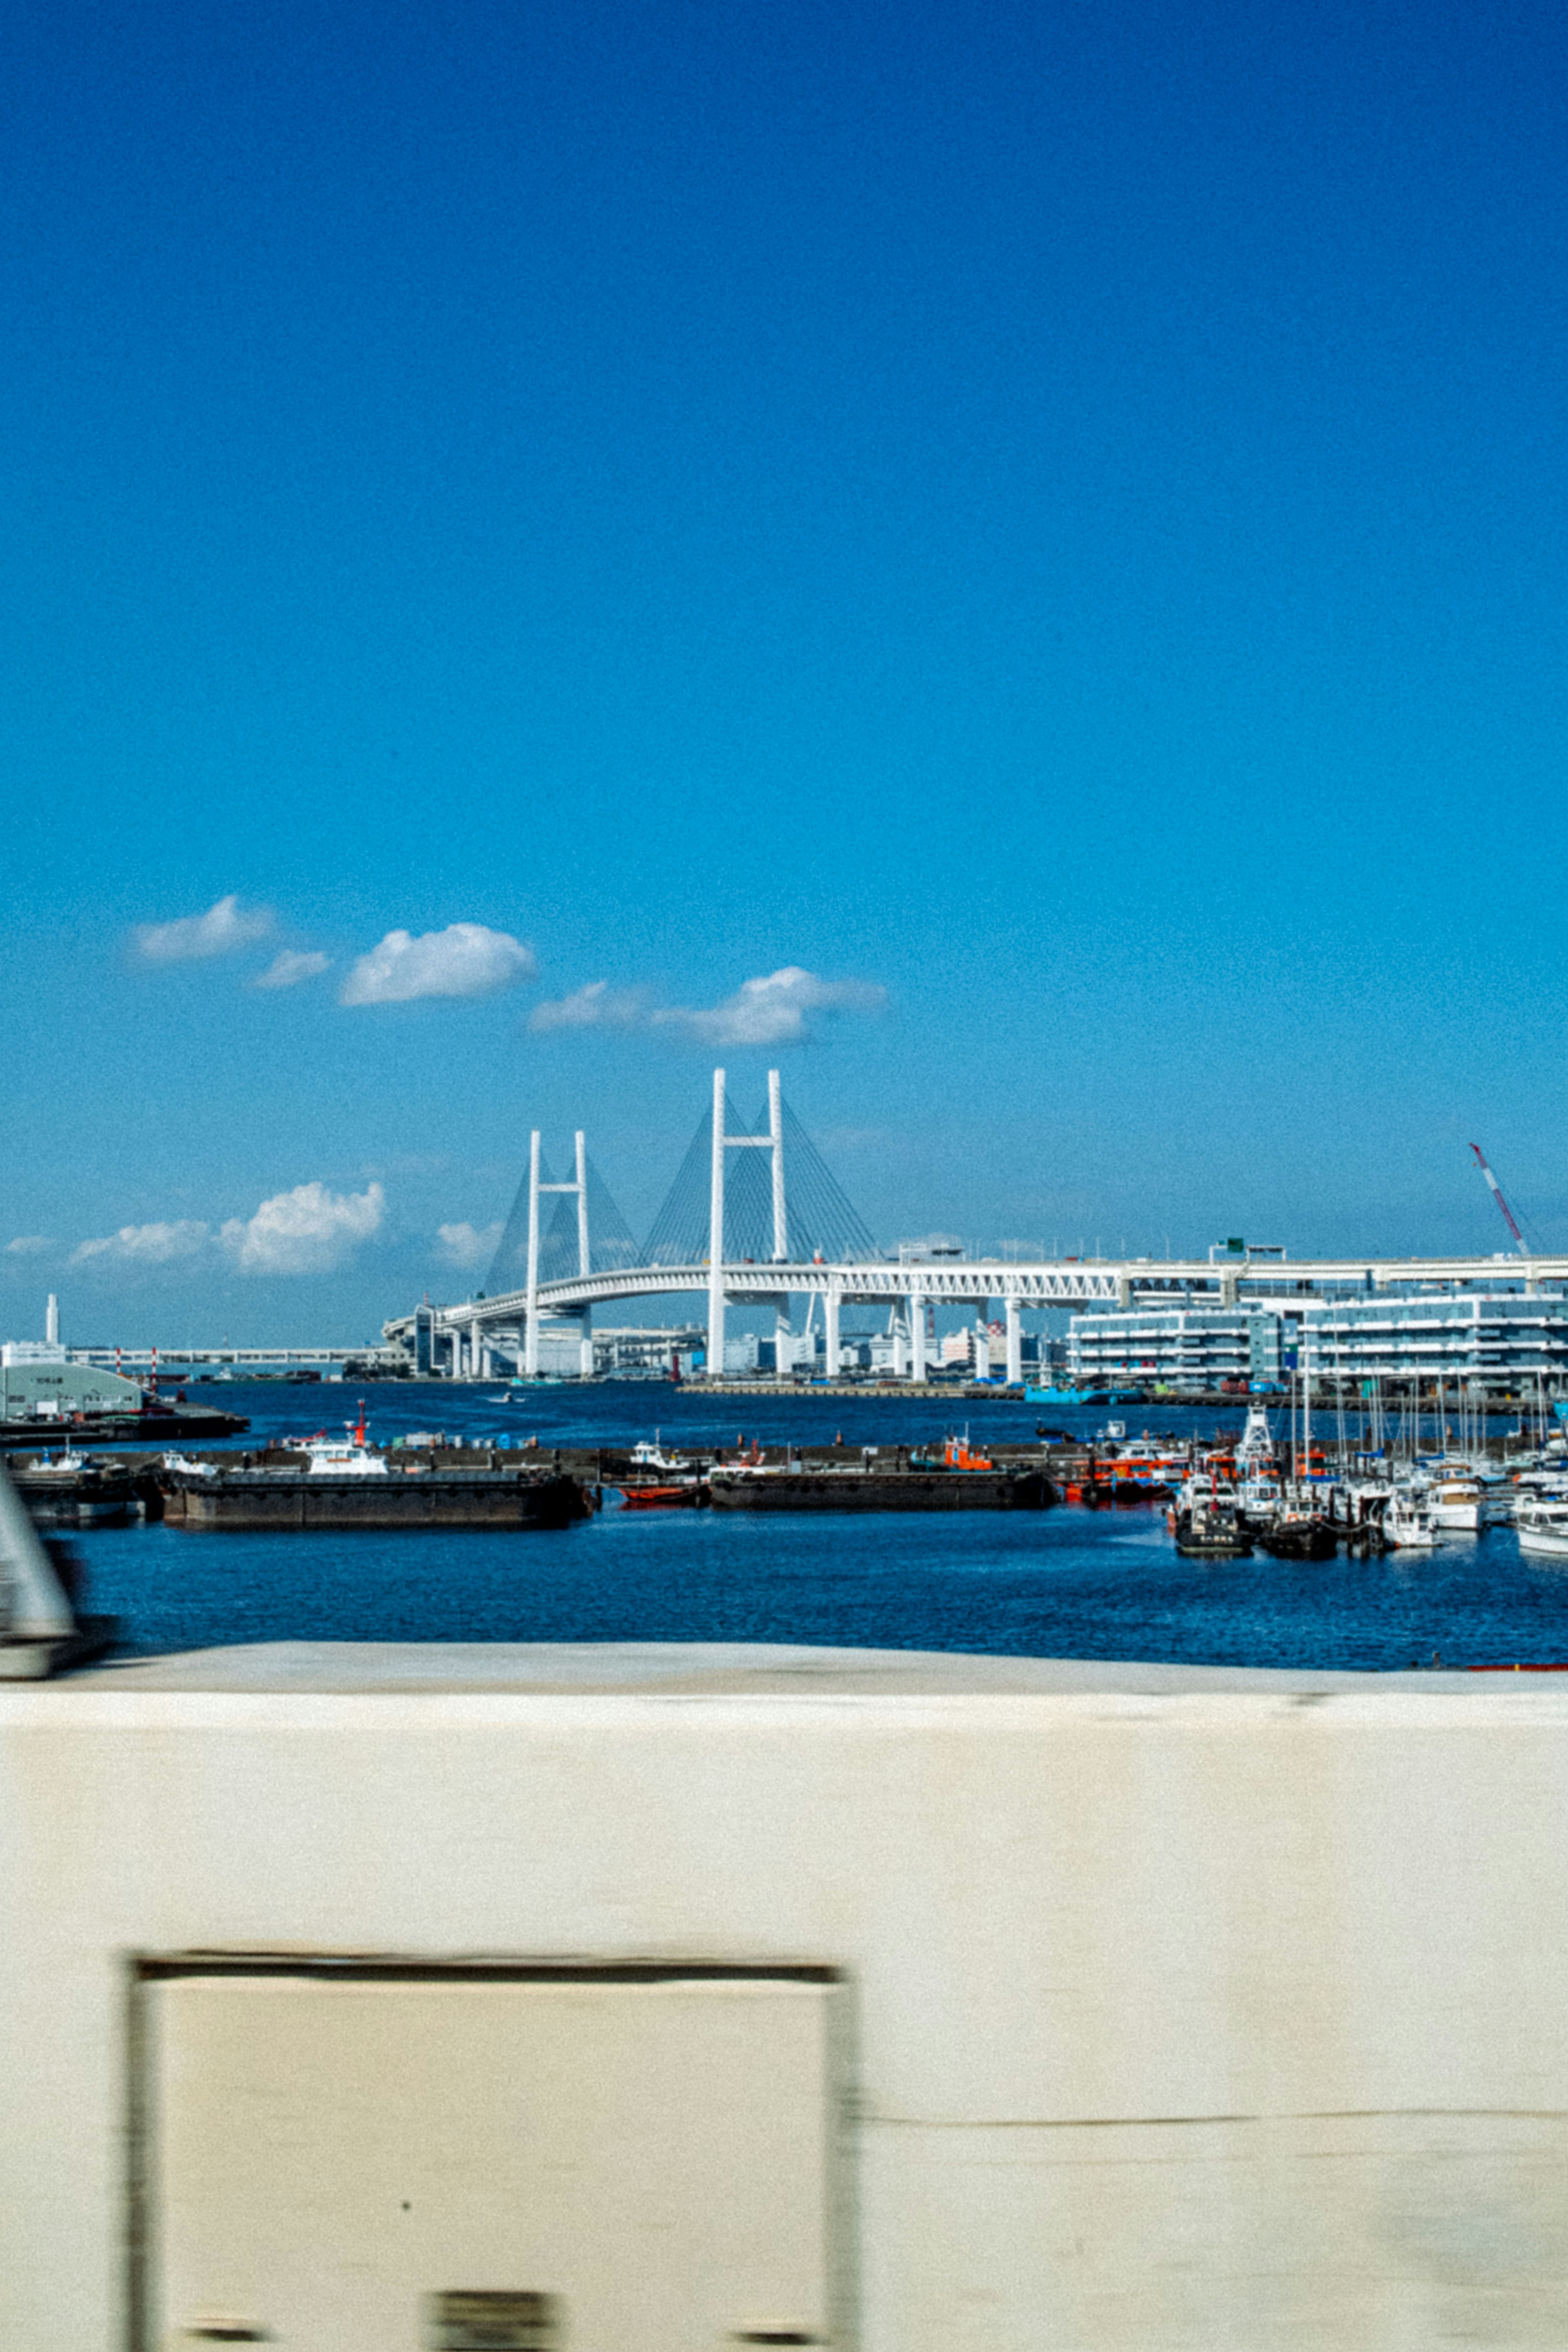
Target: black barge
column 255, row 1500
column 879, row 1490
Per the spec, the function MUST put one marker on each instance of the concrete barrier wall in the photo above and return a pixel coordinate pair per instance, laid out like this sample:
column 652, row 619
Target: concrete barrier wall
column 1207, row 2019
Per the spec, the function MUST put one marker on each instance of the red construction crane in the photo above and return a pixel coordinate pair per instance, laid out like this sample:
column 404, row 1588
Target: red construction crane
column 1497, row 1195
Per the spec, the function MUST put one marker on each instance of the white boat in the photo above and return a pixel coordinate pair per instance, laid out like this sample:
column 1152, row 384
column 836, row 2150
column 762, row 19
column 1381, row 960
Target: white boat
column 1407, row 1522
column 189, row 1467
column 650, row 1456
column 1260, row 1500
column 1543, row 1528
column 1455, row 1503
column 340, row 1457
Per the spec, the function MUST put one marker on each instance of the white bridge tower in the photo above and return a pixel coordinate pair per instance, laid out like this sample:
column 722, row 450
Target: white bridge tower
column 773, row 1141
column 580, row 1187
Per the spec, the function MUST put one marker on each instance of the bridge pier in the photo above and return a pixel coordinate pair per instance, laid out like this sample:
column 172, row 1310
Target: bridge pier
column 917, row 1335
column 1014, row 1340
column 830, row 1326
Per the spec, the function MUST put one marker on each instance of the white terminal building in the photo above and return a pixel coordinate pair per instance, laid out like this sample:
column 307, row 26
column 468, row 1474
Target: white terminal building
column 1501, row 1338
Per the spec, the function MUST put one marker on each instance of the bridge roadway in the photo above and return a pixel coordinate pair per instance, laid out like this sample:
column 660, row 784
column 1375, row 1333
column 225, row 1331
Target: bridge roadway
column 916, row 1284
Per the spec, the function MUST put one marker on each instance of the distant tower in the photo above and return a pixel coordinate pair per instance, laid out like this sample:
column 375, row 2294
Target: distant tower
column 52, row 1321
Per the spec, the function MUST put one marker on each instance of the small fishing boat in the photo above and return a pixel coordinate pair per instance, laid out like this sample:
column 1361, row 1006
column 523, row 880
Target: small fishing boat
column 1543, row 1528
column 683, row 1495
column 1407, row 1522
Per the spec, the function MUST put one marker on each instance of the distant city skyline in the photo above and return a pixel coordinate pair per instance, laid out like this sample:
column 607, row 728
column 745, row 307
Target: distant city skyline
column 1007, row 558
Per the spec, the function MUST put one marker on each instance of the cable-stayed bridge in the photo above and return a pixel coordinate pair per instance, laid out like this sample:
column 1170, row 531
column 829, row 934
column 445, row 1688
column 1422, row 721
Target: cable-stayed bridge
column 756, row 1218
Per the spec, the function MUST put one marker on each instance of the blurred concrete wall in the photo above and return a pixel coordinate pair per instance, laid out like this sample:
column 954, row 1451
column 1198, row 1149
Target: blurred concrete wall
column 1208, row 2018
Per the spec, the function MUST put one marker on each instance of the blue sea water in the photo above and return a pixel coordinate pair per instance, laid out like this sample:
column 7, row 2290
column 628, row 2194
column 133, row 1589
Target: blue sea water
column 1061, row 1583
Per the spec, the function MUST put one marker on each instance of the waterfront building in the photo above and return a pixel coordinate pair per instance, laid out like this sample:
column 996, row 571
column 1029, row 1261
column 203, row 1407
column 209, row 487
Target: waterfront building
column 38, row 1382
column 648, row 1348
column 1501, row 1338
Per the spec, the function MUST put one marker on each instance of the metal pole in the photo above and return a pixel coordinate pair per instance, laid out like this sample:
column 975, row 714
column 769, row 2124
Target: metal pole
column 830, row 1326
column 531, row 1342
column 716, row 1239
column 38, row 1608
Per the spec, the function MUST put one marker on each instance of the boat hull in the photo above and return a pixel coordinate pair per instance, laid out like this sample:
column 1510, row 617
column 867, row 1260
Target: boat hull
column 1313, row 1541
column 892, row 1490
column 1546, row 1547
column 258, row 1500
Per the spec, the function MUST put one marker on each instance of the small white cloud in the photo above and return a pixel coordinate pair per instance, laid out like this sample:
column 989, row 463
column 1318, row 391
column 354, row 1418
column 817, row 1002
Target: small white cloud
column 596, row 1006
column 222, row 928
column 465, row 960
column 466, row 1245
column 773, row 1010
column 289, row 966
column 155, row 1244
column 28, row 1245
column 307, row 1231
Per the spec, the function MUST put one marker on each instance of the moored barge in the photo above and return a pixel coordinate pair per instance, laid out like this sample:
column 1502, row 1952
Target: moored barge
column 745, row 1489
column 337, row 1485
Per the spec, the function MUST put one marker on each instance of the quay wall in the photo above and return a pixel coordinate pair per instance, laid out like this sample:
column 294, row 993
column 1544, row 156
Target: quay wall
column 1191, row 2012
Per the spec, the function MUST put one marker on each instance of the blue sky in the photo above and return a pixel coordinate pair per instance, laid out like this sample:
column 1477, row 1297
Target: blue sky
column 1047, row 521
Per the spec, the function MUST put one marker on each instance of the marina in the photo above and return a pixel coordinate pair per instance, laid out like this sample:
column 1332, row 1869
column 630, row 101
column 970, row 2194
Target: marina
column 1094, row 1579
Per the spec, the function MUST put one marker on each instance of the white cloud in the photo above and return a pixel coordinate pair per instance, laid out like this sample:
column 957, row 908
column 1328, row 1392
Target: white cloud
column 28, row 1245
column 222, row 928
column 289, row 966
column 466, row 1245
column 465, row 960
column 596, row 1006
column 773, row 1010
column 307, row 1231
column 155, row 1244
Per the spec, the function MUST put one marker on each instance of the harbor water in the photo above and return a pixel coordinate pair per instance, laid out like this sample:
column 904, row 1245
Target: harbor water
column 1068, row 1582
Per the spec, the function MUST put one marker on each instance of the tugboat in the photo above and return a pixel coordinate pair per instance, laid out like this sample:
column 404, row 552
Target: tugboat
column 1300, row 1534
column 1208, row 1526
column 675, row 1484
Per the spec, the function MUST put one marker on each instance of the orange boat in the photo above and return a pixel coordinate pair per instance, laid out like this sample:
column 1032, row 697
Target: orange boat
column 661, row 1498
